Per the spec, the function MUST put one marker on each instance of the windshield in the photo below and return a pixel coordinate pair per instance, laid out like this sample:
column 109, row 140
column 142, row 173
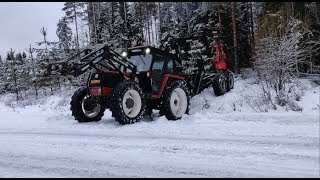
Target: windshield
column 142, row 62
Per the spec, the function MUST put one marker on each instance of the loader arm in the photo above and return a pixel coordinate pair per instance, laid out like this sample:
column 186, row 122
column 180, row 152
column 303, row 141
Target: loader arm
column 101, row 57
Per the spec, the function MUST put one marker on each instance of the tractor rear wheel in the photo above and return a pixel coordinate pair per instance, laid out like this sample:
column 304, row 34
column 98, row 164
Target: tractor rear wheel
column 176, row 100
column 86, row 108
column 219, row 84
column 128, row 102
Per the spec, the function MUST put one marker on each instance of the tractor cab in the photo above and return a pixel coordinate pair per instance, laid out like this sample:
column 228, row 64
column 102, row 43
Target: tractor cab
column 152, row 65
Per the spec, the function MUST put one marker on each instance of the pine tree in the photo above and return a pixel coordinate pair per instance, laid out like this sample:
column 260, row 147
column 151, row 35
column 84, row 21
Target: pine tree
column 102, row 24
column 73, row 12
column 137, row 22
column 33, row 73
column 167, row 30
column 134, row 28
column 64, row 34
column 235, row 36
column 44, row 56
column 11, row 72
column 243, row 34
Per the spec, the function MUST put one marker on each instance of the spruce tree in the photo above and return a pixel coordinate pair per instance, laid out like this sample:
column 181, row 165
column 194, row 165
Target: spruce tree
column 74, row 11
column 64, row 34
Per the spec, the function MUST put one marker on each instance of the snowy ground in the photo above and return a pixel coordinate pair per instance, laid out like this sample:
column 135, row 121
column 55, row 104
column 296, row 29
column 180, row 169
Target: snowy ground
column 228, row 139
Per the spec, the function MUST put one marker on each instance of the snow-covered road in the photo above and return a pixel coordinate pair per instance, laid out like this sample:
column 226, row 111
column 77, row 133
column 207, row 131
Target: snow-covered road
column 38, row 141
column 239, row 145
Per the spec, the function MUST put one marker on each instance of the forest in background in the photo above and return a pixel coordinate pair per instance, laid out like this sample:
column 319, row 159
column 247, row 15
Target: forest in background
column 279, row 40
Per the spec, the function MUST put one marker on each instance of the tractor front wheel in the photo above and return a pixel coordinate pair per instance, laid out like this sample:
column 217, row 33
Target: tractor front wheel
column 86, row 108
column 128, row 103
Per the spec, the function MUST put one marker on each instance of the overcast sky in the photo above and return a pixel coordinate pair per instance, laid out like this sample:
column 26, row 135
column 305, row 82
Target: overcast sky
column 20, row 24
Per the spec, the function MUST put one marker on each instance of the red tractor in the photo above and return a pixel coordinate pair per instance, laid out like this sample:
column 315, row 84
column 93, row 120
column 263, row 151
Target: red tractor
column 135, row 82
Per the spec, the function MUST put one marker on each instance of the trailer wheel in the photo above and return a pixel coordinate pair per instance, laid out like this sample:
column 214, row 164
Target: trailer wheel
column 176, row 100
column 219, row 85
column 230, row 80
column 85, row 108
column 127, row 102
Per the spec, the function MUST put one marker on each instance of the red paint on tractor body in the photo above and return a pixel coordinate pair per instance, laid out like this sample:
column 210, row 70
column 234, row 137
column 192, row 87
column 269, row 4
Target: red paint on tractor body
column 164, row 83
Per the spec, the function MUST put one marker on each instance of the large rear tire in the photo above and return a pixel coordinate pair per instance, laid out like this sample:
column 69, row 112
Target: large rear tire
column 85, row 108
column 176, row 100
column 219, row 84
column 128, row 103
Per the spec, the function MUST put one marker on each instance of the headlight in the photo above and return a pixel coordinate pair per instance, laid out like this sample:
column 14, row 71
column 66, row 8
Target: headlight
column 124, row 54
column 147, row 50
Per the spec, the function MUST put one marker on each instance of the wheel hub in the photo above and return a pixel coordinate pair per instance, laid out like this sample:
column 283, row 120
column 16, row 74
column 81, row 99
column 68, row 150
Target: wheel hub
column 178, row 102
column 129, row 103
column 175, row 102
column 90, row 107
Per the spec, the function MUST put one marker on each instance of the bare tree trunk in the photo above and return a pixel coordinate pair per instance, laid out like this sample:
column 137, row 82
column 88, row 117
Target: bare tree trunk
column 155, row 28
column 75, row 20
column 15, row 81
column 311, row 64
column 157, row 35
column 51, row 88
column 248, row 21
column 94, row 23
column 112, row 15
column 13, row 68
column 292, row 9
column 30, row 50
column 59, row 85
column 44, row 33
column 159, row 13
column 125, row 24
column 219, row 18
column 35, row 88
column 188, row 22
column 141, row 20
column 153, row 24
column 236, row 68
column 148, row 24
column 317, row 12
column 297, row 67
column 89, row 7
column 252, row 28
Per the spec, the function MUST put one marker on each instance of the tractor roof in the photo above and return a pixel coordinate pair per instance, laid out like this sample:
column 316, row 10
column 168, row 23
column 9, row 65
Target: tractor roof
column 152, row 50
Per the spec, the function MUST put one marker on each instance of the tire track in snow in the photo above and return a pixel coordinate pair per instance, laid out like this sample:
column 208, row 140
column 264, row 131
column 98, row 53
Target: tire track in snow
column 305, row 142
column 231, row 149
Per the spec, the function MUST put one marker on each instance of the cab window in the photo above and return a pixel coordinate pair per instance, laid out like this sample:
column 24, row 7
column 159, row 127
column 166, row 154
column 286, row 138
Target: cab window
column 170, row 66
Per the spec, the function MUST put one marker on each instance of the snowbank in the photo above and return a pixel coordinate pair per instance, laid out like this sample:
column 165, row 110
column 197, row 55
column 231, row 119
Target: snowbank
column 240, row 99
column 246, row 92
